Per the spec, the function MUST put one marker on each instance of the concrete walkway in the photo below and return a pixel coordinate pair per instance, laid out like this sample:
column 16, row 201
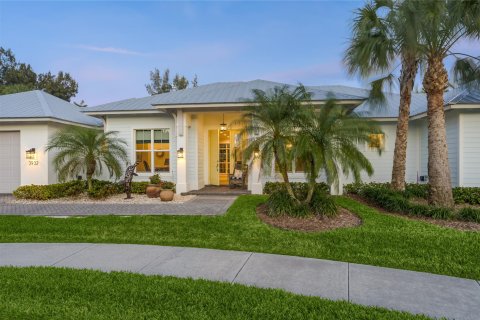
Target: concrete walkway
column 200, row 205
column 416, row 292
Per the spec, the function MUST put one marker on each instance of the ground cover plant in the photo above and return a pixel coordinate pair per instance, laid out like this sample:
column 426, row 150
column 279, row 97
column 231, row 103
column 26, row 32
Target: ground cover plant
column 403, row 201
column 381, row 240
column 38, row 293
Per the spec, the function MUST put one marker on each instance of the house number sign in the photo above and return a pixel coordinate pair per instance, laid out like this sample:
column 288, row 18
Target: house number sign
column 33, row 162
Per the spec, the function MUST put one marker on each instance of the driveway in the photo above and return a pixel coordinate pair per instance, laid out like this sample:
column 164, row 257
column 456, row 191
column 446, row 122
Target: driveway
column 200, row 205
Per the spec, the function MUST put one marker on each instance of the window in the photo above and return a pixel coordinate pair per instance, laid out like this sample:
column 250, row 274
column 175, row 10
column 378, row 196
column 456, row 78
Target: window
column 376, row 141
column 152, row 150
column 296, row 166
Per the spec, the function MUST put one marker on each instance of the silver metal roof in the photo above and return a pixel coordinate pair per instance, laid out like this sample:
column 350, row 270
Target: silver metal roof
column 39, row 104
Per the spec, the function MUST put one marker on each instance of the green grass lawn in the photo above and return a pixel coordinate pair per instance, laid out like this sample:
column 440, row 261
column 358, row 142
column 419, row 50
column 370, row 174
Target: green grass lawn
column 382, row 240
column 48, row 293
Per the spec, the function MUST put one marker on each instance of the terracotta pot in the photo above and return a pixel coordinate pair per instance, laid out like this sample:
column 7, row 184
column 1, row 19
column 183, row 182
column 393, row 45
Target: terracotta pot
column 166, row 195
column 153, row 191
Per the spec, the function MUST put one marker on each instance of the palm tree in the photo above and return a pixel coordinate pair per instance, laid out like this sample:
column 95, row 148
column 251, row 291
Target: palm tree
column 328, row 140
column 269, row 122
column 87, row 150
column 379, row 41
column 442, row 25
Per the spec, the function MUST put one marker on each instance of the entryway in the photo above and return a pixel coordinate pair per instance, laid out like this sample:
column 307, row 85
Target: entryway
column 224, row 153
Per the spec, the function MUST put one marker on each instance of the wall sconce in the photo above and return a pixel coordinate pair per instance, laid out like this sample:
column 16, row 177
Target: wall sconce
column 180, row 153
column 31, row 154
column 256, row 153
column 289, row 146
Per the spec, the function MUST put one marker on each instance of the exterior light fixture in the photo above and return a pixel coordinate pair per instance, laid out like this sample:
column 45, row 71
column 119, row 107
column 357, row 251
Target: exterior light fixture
column 223, row 125
column 289, row 146
column 180, row 153
column 256, row 153
column 31, row 154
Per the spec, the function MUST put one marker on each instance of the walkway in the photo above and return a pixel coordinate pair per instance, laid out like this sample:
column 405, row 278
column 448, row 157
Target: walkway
column 416, row 292
column 200, row 205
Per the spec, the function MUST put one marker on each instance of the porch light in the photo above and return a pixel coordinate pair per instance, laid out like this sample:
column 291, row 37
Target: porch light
column 223, row 125
column 256, row 153
column 180, row 153
column 31, row 154
column 289, row 146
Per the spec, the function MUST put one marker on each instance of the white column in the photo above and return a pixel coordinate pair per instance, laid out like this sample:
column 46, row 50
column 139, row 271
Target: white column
column 338, row 192
column 254, row 182
column 181, row 125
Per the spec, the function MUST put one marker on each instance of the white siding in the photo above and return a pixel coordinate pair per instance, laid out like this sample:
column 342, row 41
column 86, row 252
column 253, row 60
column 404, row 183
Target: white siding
column 125, row 125
column 470, row 127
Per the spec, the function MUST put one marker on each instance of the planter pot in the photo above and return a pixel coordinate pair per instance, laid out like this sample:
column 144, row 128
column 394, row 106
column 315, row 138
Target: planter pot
column 166, row 195
column 153, row 191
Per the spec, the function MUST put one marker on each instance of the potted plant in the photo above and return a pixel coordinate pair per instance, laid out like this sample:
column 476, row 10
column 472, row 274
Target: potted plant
column 154, row 188
column 167, row 191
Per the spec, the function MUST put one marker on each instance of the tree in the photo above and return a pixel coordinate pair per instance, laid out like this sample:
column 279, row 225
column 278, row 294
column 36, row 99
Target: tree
column 327, row 142
column 87, row 150
column 7, row 62
column 161, row 84
column 380, row 40
column 62, row 85
column 179, row 82
column 442, row 25
column 270, row 124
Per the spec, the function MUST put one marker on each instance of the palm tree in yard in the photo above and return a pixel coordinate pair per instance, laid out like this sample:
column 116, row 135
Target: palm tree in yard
column 270, row 124
column 327, row 142
column 384, row 37
column 87, row 150
column 442, row 25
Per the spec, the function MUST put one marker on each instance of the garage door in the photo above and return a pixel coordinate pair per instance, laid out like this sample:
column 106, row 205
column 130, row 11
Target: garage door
column 9, row 161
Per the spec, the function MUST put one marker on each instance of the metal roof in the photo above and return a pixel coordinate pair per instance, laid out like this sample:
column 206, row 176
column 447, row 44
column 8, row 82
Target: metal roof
column 220, row 92
column 39, row 104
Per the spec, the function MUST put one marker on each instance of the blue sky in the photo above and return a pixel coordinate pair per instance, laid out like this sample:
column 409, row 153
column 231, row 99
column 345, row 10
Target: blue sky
column 110, row 47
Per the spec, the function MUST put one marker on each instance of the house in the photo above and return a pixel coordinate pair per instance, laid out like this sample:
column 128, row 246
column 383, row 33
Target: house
column 27, row 120
column 187, row 123
column 189, row 136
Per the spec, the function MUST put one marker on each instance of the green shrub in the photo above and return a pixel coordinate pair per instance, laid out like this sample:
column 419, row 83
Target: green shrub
column 417, row 190
column 280, row 203
column 102, row 189
column 323, row 204
column 419, row 210
column 469, row 195
column 139, row 187
column 300, row 189
column 168, row 185
column 50, row 191
column 469, row 214
column 155, row 179
column 441, row 213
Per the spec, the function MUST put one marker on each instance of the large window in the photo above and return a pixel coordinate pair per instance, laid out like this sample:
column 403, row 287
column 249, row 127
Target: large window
column 376, row 141
column 152, row 150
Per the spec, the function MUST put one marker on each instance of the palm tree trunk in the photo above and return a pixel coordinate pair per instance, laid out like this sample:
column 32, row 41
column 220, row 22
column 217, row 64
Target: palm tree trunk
column 283, row 171
column 407, row 79
column 312, row 183
column 435, row 82
column 91, row 166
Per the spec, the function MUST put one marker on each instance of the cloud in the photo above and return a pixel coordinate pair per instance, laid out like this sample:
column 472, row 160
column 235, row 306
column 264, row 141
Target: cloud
column 110, row 50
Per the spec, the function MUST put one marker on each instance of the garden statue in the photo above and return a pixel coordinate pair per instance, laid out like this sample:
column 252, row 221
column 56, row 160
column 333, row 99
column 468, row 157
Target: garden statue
column 129, row 173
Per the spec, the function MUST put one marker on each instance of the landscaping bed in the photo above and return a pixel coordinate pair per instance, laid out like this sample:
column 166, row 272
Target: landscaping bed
column 115, row 198
column 344, row 219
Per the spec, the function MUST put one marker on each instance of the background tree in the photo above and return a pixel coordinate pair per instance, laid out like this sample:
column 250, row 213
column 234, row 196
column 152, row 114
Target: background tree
column 327, row 142
column 384, row 36
column 62, row 85
column 161, row 83
column 86, row 150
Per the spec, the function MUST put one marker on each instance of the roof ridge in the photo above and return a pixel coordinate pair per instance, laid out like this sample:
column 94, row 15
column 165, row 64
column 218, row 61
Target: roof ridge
column 43, row 103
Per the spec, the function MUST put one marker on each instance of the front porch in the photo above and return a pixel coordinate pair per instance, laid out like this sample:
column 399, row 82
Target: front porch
column 211, row 190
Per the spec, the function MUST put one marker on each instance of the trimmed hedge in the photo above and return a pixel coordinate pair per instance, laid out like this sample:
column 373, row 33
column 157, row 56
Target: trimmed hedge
column 50, row 191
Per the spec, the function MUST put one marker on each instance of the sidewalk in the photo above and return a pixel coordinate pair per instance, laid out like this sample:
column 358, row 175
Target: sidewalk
column 415, row 292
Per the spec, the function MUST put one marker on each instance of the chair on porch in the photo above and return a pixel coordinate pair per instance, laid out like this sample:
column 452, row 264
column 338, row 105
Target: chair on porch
column 238, row 176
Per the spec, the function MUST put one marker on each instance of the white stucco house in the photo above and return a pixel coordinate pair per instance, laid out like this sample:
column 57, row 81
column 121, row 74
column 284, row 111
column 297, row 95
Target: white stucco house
column 186, row 136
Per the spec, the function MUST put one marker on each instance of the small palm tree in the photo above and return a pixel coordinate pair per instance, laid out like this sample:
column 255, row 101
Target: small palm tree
column 87, row 150
column 327, row 142
column 270, row 125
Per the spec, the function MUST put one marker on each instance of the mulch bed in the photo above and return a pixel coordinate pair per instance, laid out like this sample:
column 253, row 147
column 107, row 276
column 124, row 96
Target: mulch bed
column 344, row 219
column 454, row 224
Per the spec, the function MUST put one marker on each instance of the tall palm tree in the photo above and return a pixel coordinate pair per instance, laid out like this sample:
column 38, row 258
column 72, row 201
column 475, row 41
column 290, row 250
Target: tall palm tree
column 327, row 142
column 87, row 150
column 379, row 41
column 442, row 25
column 270, row 125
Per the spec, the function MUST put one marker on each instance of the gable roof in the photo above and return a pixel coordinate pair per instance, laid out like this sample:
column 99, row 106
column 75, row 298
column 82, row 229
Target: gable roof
column 37, row 104
column 220, row 93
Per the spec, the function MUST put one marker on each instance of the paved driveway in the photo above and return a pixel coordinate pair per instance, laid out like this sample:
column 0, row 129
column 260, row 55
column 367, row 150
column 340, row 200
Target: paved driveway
column 416, row 292
column 200, row 205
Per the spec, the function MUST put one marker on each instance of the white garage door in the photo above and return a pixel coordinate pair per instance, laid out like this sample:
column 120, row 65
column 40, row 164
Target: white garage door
column 9, row 161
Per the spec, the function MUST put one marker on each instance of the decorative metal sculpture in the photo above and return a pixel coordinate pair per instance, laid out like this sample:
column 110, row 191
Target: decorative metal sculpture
column 129, row 173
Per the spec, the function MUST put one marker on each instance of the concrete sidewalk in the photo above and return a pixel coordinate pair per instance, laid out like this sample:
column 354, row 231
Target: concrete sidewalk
column 416, row 292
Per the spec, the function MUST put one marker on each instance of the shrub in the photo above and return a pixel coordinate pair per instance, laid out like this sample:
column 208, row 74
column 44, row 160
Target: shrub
column 168, row 185
column 281, row 203
column 469, row 195
column 155, row 179
column 139, row 187
column 103, row 189
column 300, row 189
column 469, row 214
column 441, row 213
column 51, row 191
column 417, row 190
column 323, row 204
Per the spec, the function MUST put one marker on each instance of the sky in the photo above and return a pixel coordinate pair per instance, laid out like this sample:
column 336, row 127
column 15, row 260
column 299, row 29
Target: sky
column 110, row 47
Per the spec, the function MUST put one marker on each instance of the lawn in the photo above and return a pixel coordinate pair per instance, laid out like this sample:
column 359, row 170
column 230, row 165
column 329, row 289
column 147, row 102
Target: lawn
column 48, row 293
column 382, row 240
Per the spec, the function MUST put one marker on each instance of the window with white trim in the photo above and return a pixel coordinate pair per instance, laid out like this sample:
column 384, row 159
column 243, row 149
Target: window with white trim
column 152, row 150
column 376, row 141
